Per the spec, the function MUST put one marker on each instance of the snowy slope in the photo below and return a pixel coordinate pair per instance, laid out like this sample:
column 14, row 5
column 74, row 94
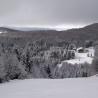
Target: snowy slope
column 41, row 88
column 80, row 61
column 81, row 58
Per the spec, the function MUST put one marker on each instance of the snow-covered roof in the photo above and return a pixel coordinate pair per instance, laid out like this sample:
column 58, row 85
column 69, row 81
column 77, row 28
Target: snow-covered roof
column 79, row 48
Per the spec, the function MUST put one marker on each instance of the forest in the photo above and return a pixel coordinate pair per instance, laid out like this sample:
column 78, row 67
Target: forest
column 35, row 54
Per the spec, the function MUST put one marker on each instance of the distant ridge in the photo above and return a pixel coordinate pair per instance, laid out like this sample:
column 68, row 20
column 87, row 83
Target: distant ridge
column 87, row 32
column 29, row 28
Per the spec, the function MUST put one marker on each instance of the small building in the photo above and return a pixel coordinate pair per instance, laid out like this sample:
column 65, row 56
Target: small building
column 80, row 50
column 85, row 52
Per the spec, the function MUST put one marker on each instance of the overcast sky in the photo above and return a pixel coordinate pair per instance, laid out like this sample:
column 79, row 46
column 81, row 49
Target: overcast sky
column 48, row 12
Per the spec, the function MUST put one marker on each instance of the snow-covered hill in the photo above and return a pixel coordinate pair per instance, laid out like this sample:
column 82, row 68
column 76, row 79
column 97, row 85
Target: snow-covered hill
column 44, row 88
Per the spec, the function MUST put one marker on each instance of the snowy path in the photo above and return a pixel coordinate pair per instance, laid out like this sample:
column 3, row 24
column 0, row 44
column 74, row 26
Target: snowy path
column 41, row 88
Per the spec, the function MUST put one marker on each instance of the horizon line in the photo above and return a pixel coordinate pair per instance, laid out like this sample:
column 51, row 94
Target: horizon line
column 59, row 27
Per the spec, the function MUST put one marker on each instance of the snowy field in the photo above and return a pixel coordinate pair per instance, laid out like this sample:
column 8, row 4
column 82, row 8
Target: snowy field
column 80, row 61
column 81, row 58
column 41, row 88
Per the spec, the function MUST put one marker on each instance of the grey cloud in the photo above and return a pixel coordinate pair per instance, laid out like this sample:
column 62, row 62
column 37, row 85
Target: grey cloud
column 48, row 12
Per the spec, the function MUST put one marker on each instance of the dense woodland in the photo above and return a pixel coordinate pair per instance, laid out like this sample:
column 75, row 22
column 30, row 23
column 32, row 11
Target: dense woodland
column 35, row 54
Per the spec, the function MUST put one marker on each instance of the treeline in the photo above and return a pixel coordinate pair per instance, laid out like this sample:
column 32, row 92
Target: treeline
column 26, row 58
column 29, row 59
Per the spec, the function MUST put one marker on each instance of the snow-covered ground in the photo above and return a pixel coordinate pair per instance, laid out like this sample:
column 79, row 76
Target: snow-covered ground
column 80, row 61
column 81, row 58
column 57, row 88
